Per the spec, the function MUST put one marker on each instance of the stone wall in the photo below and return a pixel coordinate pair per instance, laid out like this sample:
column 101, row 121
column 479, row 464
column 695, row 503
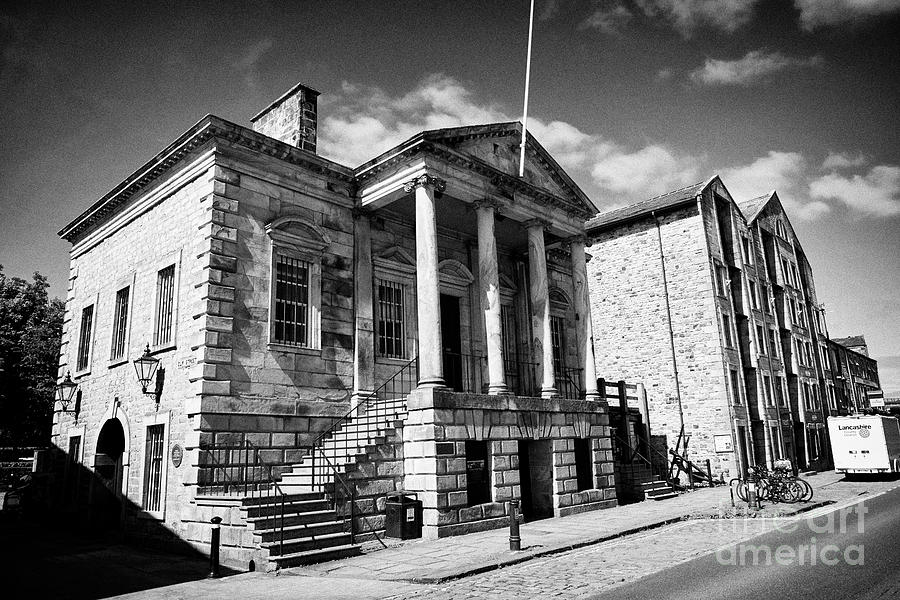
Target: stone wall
column 631, row 332
column 158, row 228
column 440, row 422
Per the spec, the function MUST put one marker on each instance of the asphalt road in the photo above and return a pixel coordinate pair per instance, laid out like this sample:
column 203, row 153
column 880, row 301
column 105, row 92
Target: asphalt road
column 854, row 553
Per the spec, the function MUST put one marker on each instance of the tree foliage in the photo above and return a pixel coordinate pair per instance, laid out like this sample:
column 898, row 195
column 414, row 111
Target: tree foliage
column 30, row 331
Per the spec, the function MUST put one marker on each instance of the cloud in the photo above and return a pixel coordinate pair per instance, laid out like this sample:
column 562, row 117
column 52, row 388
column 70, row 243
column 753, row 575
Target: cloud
column 877, row 193
column 362, row 121
column 784, row 172
column 838, row 160
column 752, row 68
column 247, row 61
column 665, row 74
column 687, row 16
column 829, row 13
column 609, row 19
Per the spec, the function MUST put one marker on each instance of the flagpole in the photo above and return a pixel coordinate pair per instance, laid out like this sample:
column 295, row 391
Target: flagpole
column 527, row 79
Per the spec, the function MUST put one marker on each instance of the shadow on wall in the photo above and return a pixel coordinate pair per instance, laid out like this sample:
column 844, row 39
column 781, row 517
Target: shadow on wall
column 72, row 537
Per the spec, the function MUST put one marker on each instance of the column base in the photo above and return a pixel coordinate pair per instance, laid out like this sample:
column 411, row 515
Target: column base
column 592, row 396
column 549, row 392
column 431, row 382
column 360, row 396
column 498, row 389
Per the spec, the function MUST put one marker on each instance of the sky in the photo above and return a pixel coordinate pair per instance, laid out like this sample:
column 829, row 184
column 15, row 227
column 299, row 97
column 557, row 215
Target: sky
column 633, row 98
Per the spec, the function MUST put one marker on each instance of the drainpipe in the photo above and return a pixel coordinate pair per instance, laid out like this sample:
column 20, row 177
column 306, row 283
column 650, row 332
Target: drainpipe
column 662, row 262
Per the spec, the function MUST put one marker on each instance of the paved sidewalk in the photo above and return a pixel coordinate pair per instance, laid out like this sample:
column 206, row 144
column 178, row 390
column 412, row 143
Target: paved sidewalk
column 432, row 569
column 434, row 561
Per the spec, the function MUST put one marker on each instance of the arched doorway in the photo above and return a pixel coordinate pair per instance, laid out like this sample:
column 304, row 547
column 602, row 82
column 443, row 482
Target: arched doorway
column 108, row 465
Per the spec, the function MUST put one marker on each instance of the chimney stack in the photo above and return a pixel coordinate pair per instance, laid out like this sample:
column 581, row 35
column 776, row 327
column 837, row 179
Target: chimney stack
column 291, row 119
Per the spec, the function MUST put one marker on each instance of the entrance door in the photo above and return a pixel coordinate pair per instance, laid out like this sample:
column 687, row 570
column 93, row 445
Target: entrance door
column 452, row 340
column 108, row 463
column 742, row 450
column 799, row 450
column 536, row 477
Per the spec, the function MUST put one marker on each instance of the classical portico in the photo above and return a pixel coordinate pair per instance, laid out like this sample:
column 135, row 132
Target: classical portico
column 499, row 228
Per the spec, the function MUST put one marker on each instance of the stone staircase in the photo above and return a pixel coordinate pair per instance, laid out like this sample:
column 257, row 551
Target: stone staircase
column 657, row 489
column 310, row 529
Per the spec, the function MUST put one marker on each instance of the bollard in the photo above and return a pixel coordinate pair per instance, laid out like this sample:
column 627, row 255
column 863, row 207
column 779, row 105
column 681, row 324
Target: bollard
column 214, row 548
column 515, row 542
column 752, row 498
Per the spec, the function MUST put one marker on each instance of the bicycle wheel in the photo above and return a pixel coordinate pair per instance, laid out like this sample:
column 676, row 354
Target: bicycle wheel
column 742, row 491
column 793, row 490
column 807, row 492
column 763, row 490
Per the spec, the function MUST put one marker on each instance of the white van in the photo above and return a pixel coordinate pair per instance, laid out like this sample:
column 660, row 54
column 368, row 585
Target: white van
column 865, row 444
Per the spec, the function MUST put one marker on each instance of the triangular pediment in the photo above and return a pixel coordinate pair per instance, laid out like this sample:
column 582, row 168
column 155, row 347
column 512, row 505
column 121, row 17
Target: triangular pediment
column 498, row 145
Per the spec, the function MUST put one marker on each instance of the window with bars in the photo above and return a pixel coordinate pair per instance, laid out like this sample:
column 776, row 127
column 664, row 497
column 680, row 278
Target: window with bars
column 509, row 332
column 391, row 327
column 165, row 306
column 120, row 325
column 293, row 309
column 557, row 339
column 84, row 338
column 154, row 455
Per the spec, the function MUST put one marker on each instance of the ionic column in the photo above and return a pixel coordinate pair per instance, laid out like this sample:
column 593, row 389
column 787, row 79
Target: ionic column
column 364, row 359
column 540, row 308
column 489, row 283
column 428, row 295
column 584, row 328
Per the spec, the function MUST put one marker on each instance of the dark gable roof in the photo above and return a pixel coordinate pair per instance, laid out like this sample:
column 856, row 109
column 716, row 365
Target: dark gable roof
column 669, row 200
column 851, row 342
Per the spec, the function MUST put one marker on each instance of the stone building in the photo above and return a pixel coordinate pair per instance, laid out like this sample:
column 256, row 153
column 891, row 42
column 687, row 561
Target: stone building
column 326, row 335
column 854, row 375
column 711, row 304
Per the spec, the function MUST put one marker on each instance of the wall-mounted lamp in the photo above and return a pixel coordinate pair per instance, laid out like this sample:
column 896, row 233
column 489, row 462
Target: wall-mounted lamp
column 66, row 391
column 146, row 367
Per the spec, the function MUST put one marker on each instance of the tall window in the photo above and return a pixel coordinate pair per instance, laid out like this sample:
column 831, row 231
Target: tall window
column 762, row 339
column 767, row 390
column 84, row 338
column 735, row 387
column 509, row 332
column 773, row 342
column 726, row 326
column 165, row 306
column 120, row 325
column 391, row 332
column 748, row 254
column 754, row 299
column 153, row 467
column 557, row 339
column 764, row 291
column 722, row 280
column 292, row 301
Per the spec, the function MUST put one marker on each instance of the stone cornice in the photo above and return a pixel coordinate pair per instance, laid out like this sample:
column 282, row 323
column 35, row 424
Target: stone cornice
column 207, row 129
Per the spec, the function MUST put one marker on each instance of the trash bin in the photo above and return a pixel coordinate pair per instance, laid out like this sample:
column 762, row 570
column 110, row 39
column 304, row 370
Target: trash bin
column 403, row 515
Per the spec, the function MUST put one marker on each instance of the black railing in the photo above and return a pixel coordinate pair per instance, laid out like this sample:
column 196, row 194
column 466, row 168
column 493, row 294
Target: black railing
column 248, row 471
column 629, row 458
column 523, row 379
column 465, row 372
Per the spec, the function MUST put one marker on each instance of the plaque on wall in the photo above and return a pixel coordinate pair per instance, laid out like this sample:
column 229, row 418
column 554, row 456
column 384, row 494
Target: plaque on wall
column 724, row 443
column 177, row 455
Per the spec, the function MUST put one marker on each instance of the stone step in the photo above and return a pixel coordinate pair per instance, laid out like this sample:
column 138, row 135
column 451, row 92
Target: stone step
column 296, row 506
column 327, row 540
column 298, row 532
column 277, row 498
column 291, row 518
column 309, row 557
column 663, row 496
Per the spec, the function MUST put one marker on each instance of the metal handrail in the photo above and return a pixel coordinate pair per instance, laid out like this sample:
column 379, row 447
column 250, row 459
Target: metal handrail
column 648, row 461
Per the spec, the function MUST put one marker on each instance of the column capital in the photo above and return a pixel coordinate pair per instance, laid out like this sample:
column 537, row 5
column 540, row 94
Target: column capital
column 489, row 203
column 438, row 184
column 542, row 223
column 579, row 239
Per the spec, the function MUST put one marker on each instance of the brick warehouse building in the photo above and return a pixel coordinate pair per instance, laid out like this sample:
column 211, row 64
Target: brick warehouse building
column 326, row 335
column 855, row 373
column 711, row 304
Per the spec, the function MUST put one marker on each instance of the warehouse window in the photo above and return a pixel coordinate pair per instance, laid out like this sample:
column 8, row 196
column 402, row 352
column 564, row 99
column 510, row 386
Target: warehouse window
column 154, row 457
column 391, row 321
column 83, row 360
column 165, row 306
column 117, row 349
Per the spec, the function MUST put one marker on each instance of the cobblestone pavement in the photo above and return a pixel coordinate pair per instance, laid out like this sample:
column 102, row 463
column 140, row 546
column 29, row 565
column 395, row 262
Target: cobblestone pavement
column 594, row 569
